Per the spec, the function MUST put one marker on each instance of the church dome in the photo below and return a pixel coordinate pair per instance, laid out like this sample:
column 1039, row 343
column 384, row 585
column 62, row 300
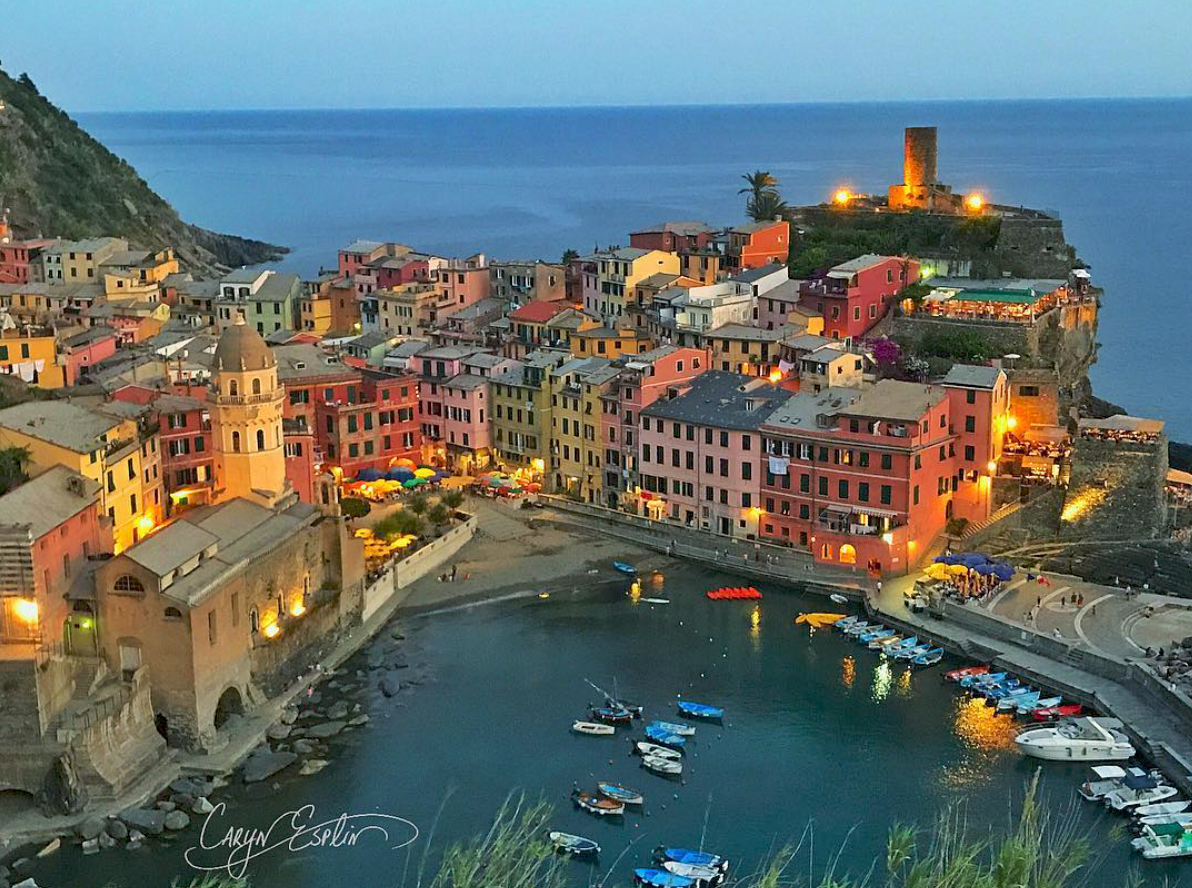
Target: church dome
column 242, row 348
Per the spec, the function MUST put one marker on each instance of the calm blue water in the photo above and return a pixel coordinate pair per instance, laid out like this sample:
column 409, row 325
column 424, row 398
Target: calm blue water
column 818, row 732
column 535, row 182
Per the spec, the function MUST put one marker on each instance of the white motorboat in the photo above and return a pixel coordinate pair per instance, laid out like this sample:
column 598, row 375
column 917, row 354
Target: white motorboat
column 1173, row 841
column 703, row 875
column 593, row 728
column 1153, row 820
column 1175, row 806
column 666, row 767
column 1080, row 739
column 1136, row 791
column 1107, row 778
column 641, row 747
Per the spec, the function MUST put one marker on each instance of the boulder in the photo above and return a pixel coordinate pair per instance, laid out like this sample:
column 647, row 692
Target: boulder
column 190, row 786
column 304, row 747
column 148, row 821
column 202, row 807
column 28, row 883
column 358, row 721
column 89, row 828
column 62, row 791
column 278, row 732
column 117, row 829
column 135, row 835
column 390, row 686
column 313, row 766
column 183, row 801
column 177, row 820
column 90, row 846
column 106, row 841
column 338, row 710
column 326, row 729
column 289, row 715
column 166, row 805
column 262, row 766
column 376, row 659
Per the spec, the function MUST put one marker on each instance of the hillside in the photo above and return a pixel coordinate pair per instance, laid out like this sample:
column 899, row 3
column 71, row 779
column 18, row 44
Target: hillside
column 58, row 181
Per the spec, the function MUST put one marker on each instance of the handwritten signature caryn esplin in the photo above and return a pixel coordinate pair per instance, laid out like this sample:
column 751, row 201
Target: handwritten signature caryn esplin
column 232, row 848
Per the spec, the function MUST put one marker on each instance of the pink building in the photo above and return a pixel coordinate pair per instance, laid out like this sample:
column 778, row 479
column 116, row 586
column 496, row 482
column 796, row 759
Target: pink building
column 700, row 453
column 460, row 283
column 18, row 260
column 465, row 422
column 435, row 366
column 86, row 349
column 855, row 295
column 643, row 379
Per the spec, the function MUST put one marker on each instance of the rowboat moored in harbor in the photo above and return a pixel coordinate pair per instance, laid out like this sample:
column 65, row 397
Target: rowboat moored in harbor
column 577, row 846
column 593, row 728
column 700, row 710
column 619, row 793
column 597, row 804
column 664, row 766
column 653, row 749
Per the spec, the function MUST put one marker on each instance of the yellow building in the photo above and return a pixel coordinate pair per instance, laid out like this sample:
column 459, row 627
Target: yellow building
column 33, row 356
column 314, row 313
column 80, row 261
column 607, row 342
column 575, row 428
column 520, row 414
column 246, row 413
column 115, row 451
column 738, row 348
column 610, row 278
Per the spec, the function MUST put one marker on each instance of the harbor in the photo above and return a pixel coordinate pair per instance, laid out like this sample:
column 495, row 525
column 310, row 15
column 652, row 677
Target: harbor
column 832, row 725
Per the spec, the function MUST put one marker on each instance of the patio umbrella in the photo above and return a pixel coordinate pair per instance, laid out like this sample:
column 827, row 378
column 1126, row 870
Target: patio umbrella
column 937, row 571
column 492, row 482
column 412, row 483
column 424, row 472
column 458, row 481
column 983, row 569
column 403, row 463
column 369, row 474
column 972, row 559
column 958, row 570
column 950, row 558
column 399, row 473
column 1003, row 571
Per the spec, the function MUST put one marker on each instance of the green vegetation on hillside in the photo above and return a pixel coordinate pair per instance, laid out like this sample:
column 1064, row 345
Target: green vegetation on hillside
column 829, row 237
column 59, row 181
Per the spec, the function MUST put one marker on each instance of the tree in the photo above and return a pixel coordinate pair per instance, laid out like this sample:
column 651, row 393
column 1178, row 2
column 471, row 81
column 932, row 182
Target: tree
column 355, row 507
column 402, row 523
column 759, row 182
column 452, row 499
column 569, row 256
column 765, row 206
column 12, row 468
column 439, row 514
column 417, row 503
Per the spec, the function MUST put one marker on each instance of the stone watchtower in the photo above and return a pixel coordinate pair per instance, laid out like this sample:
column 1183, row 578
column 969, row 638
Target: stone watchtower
column 246, row 414
column 921, row 188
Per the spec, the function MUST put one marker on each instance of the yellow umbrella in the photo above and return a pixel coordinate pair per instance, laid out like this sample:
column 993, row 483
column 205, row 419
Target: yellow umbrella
column 458, row 481
column 937, row 571
column 958, row 570
column 424, row 473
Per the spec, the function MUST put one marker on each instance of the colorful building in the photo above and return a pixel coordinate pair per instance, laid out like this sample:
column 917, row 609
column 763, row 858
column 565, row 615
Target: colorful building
column 674, row 237
column 607, row 342
column 520, row 413
column 610, row 276
column 20, row 260
column 269, row 300
column 34, row 356
column 756, row 244
column 524, row 281
column 855, row 295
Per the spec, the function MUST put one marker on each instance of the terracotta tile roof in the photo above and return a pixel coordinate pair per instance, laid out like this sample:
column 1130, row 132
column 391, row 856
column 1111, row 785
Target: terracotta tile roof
column 538, row 311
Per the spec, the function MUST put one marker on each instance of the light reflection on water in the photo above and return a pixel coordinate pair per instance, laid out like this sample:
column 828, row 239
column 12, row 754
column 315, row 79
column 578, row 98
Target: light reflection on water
column 883, row 678
column 904, row 688
column 985, row 735
column 848, row 671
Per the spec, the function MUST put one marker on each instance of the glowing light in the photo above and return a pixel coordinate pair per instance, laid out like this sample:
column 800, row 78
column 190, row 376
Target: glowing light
column 146, row 523
column 842, row 197
column 297, row 609
column 888, row 538
column 25, row 610
column 755, row 618
column 272, row 630
column 775, row 376
column 1085, row 501
column 904, row 684
column 635, row 592
column 978, row 726
column 1011, row 422
column 84, row 624
column 883, row 679
column 848, row 671
column 975, row 202
column 539, row 464
column 992, row 466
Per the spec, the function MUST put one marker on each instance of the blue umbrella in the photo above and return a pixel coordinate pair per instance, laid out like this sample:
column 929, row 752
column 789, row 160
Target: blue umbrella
column 972, row 559
column 369, row 474
column 950, row 558
column 983, row 569
column 1002, row 570
column 399, row 473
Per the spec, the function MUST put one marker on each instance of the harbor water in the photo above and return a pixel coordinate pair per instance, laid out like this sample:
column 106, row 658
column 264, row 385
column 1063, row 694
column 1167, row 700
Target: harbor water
column 822, row 739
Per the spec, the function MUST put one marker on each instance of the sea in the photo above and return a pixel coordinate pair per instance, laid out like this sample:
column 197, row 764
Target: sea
column 533, row 182
column 824, row 745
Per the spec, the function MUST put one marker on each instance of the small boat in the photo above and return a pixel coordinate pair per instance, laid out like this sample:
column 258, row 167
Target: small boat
column 702, row 875
column 1079, row 739
column 619, row 793
column 1008, row 701
column 674, row 728
column 693, row 858
column 656, row 600
column 875, row 632
column 911, row 653
column 666, row 738
column 597, row 804
column 656, row 751
column 858, row 627
column 1162, row 809
column 1050, row 713
column 998, row 690
column 1023, row 709
column 1135, row 791
column 1154, row 820
column 979, row 679
column 845, row 623
column 1165, row 841
column 818, row 621
column 657, row 878
column 625, row 568
column 612, row 715
column 930, row 658
column 592, row 728
column 958, row 674
column 838, row 598
column 884, row 644
column 665, row 766
column 1107, row 778
column 700, row 710
column 903, row 644
column 577, row 846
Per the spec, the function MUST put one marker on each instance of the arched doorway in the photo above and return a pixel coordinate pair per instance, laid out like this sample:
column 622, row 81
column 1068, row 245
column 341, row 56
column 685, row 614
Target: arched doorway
column 163, row 725
column 848, row 554
column 14, row 803
column 81, row 639
column 230, row 703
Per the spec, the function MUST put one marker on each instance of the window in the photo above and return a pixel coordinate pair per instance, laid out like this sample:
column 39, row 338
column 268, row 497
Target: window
column 823, row 486
column 211, row 626
column 887, row 462
column 256, row 385
column 1025, row 391
column 746, row 471
column 887, row 494
column 127, row 583
column 863, row 491
column 970, row 453
column 235, row 442
column 842, row 489
column 970, row 423
column 970, row 397
column 260, row 439
column 172, row 614
column 724, row 439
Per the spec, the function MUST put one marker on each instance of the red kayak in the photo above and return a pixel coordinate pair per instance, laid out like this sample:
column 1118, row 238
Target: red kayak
column 1068, row 710
column 958, row 674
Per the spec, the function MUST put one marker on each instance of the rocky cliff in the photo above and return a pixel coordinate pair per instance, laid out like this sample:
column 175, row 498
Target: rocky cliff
column 59, row 181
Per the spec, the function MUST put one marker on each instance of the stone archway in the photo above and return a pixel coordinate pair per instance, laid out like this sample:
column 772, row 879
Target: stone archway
column 230, row 703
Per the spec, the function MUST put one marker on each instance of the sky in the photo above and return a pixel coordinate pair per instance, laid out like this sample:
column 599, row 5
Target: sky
column 92, row 55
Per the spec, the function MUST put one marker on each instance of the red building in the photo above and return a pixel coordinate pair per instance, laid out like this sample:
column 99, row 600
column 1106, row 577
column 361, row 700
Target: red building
column 871, row 477
column 372, row 431
column 756, row 244
column 185, row 440
column 86, row 349
column 18, row 260
column 855, row 295
column 674, row 237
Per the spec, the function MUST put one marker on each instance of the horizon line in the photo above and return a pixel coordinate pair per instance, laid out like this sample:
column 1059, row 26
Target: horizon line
column 596, row 106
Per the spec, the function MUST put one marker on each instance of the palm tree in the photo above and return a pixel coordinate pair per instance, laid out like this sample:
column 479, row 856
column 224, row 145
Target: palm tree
column 767, row 205
column 760, row 182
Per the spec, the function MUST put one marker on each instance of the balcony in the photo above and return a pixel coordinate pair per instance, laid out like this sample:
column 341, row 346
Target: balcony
column 855, row 521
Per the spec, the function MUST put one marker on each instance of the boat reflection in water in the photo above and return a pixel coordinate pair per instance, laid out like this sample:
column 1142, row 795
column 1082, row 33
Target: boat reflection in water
column 883, row 679
column 755, row 629
column 904, row 683
column 635, row 592
column 848, row 671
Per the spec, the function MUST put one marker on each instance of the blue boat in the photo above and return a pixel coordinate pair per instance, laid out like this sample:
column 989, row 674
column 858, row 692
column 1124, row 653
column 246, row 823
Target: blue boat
column 661, row 879
column 625, row 568
column 673, row 728
column 905, row 645
column 619, row 793
column 875, row 633
column 930, row 658
column 999, row 690
column 972, row 681
column 911, row 653
column 700, row 710
column 612, row 715
column 666, row 738
column 691, row 858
